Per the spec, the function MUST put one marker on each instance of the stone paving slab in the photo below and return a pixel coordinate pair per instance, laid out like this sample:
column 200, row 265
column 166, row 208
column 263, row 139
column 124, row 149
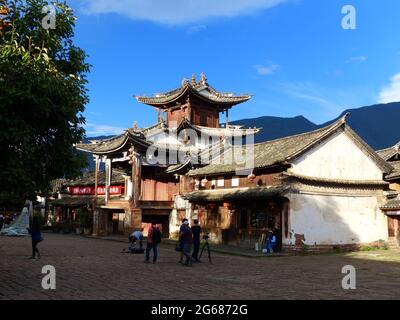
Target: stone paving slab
column 97, row 269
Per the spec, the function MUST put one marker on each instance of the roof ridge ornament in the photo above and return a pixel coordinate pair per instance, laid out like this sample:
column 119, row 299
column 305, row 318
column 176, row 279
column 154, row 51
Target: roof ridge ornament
column 203, row 78
column 193, row 80
column 344, row 117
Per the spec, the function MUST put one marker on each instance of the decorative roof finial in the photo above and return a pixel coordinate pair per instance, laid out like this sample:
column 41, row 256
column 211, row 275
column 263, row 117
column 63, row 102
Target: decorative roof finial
column 202, row 78
column 193, row 81
column 344, row 117
column 184, row 82
column 135, row 125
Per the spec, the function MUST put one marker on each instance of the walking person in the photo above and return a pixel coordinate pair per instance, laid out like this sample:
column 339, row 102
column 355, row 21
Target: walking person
column 153, row 239
column 187, row 240
column 1, row 221
column 196, row 230
column 180, row 241
column 36, row 235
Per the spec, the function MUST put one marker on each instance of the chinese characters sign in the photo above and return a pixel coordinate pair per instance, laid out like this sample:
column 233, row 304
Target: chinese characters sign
column 90, row 190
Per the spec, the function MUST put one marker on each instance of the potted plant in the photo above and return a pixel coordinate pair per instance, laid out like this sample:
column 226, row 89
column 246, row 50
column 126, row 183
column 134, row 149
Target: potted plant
column 79, row 221
column 84, row 220
column 78, row 228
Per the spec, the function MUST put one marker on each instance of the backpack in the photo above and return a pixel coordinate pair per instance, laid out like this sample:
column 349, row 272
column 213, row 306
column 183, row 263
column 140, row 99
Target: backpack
column 156, row 235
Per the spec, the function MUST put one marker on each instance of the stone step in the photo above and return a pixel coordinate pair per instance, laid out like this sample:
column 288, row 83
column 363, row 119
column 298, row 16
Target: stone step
column 393, row 243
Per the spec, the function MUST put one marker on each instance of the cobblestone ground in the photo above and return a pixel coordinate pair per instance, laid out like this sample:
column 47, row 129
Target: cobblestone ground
column 97, row 269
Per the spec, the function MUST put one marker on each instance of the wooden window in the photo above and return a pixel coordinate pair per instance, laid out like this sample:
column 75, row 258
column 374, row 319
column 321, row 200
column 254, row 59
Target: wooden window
column 220, row 182
column 235, row 182
column 203, row 120
column 213, row 184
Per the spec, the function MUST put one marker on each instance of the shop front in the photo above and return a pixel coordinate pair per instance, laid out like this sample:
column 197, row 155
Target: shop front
column 240, row 217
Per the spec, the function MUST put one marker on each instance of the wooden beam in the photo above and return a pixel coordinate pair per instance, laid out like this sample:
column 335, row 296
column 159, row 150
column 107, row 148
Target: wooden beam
column 96, row 178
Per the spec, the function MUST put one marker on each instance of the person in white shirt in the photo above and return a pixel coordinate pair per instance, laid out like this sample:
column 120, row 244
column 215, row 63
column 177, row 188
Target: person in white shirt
column 135, row 237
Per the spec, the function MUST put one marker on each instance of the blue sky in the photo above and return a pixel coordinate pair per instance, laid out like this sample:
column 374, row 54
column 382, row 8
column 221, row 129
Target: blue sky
column 292, row 55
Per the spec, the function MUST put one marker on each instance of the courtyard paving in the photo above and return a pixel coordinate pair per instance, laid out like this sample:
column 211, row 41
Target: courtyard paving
column 100, row 269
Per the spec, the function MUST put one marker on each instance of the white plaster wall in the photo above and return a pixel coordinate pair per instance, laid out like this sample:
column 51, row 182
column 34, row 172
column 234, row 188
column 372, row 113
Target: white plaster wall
column 337, row 158
column 172, row 138
column 179, row 204
column 324, row 219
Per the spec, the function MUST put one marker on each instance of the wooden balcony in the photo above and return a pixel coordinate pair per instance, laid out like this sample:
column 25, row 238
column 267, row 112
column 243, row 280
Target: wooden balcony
column 116, row 203
column 153, row 204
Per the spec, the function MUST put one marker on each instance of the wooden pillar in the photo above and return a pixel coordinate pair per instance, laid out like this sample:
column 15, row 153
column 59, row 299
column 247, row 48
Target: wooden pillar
column 136, row 177
column 189, row 113
column 96, row 178
column 227, row 120
column 108, row 178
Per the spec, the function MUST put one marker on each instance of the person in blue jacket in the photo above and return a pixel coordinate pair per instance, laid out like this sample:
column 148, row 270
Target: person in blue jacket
column 270, row 244
column 36, row 235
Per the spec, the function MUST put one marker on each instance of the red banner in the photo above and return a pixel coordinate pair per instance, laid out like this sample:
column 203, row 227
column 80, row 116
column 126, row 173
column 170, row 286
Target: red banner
column 90, row 190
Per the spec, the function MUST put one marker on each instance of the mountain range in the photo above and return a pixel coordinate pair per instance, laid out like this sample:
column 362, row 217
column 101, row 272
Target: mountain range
column 378, row 125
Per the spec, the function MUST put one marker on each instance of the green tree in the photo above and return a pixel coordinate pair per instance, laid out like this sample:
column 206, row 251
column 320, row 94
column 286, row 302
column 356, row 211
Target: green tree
column 42, row 96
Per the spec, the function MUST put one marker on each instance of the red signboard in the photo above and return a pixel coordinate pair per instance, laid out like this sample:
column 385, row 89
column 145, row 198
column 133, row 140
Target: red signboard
column 90, row 190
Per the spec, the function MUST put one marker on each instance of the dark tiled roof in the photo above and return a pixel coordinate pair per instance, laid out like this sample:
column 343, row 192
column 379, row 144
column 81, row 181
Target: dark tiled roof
column 201, row 89
column 298, row 177
column 388, row 153
column 177, row 167
column 392, row 204
column 56, row 185
column 88, row 179
column 234, row 194
column 115, row 143
column 395, row 174
column 76, row 201
column 281, row 151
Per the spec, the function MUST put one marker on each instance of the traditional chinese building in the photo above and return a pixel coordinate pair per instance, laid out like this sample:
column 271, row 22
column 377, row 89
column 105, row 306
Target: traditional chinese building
column 318, row 189
column 81, row 193
column 392, row 206
column 154, row 158
column 322, row 188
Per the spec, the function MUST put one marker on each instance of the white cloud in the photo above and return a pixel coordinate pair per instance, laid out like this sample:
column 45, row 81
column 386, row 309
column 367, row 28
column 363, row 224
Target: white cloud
column 358, row 59
column 263, row 70
column 197, row 28
column 391, row 93
column 176, row 12
column 93, row 130
column 312, row 93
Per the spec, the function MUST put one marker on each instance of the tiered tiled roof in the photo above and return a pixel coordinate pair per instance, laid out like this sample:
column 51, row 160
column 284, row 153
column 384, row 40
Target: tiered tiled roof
column 199, row 89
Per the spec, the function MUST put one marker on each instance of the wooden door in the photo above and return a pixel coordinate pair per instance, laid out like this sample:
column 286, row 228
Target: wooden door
column 391, row 227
